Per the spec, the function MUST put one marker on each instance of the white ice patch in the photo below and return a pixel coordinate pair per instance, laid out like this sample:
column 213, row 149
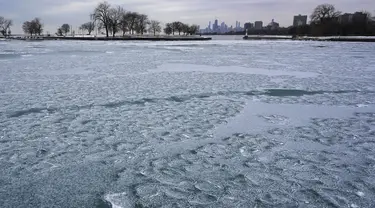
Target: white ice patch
column 259, row 117
column 118, row 200
column 77, row 70
column 354, row 206
column 27, row 55
column 175, row 67
column 360, row 194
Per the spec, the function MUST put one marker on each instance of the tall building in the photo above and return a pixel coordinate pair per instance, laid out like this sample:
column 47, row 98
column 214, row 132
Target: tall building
column 209, row 25
column 222, row 28
column 299, row 20
column 258, row 25
column 248, row 26
column 216, row 26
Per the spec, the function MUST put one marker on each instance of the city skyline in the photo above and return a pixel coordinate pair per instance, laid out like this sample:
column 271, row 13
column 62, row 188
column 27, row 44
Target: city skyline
column 223, row 27
column 76, row 12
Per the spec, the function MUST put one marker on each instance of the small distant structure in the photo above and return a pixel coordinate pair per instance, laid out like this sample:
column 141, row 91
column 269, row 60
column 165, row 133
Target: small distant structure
column 348, row 18
column 345, row 18
column 258, row 25
column 299, row 20
column 248, row 26
column 273, row 25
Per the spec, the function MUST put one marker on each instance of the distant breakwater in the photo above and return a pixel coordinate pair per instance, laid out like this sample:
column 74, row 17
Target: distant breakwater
column 332, row 38
column 338, row 39
column 126, row 38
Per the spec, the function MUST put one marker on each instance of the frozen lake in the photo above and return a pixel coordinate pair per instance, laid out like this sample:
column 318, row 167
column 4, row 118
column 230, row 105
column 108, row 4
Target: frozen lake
column 225, row 123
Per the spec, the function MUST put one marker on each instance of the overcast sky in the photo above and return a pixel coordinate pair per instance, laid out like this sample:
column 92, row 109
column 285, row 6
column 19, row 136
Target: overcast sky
column 56, row 12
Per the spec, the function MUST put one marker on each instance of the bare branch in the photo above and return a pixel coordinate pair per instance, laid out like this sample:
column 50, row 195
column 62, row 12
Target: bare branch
column 323, row 13
column 142, row 23
column 89, row 26
column 155, row 27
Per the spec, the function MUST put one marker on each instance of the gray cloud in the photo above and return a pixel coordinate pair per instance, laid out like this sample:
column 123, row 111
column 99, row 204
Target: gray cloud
column 76, row 12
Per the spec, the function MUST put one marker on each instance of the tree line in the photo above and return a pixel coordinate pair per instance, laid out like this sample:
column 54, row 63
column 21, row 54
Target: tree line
column 116, row 20
column 172, row 28
column 326, row 20
column 112, row 20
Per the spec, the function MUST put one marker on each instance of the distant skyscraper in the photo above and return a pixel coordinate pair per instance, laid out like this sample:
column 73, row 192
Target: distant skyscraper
column 209, row 25
column 299, row 20
column 248, row 26
column 223, row 28
column 216, row 26
column 258, row 25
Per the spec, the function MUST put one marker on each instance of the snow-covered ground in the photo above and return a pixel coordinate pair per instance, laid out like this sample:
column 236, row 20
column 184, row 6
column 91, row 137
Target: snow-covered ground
column 187, row 124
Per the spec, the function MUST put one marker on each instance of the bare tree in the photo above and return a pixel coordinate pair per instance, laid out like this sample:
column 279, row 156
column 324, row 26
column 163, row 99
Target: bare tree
column 27, row 28
column 168, row 29
column 185, row 28
column 101, row 14
column 38, row 26
column 155, row 27
column 5, row 25
column 193, row 29
column 115, row 15
column 142, row 23
column 65, row 28
column 33, row 27
column 368, row 15
column 99, row 27
column 124, row 23
column 324, row 12
column 132, row 18
column 59, row 32
column 89, row 26
column 177, row 26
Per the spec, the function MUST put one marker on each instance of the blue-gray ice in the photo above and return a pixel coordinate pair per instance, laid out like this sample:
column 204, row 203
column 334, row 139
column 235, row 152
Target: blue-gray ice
column 187, row 124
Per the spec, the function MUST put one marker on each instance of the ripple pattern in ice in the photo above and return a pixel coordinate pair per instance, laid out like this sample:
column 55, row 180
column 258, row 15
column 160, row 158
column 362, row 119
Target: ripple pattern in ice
column 208, row 124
